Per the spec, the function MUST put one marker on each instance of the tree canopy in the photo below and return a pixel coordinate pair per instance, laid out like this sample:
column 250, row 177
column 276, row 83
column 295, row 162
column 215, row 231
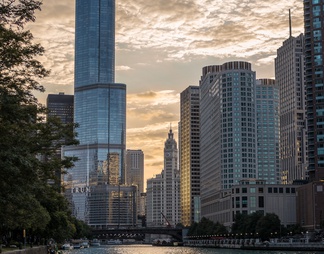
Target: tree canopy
column 28, row 141
column 206, row 227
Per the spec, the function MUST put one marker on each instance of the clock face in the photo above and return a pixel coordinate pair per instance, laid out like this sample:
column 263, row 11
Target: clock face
column 167, row 154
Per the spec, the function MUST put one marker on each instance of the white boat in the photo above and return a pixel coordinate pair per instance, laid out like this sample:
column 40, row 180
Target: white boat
column 85, row 245
column 114, row 242
column 67, row 246
column 95, row 242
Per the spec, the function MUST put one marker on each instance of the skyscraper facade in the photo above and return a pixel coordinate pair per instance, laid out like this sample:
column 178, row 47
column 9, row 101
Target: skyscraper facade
column 310, row 196
column 228, row 146
column 61, row 106
column 289, row 72
column 135, row 176
column 189, row 155
column 314, row 81
column 100, row 111
column 267, row 113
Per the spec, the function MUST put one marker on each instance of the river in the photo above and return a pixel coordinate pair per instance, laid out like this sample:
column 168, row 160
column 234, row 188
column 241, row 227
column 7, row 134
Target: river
column 148, row 249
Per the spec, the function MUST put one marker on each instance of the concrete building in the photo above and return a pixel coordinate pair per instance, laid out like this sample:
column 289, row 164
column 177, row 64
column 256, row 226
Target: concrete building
column 189, row 155
column 228, row 144
column 135, row 176
column 154, row 201
column 289, row 71
column 163, row 190
column 252, row 195
column 100, row 111
column 267, row 113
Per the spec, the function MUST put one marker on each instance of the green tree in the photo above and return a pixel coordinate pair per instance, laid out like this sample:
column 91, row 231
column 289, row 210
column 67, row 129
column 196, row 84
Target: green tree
column 268, row 226
column 25, row 136
column 240, row 224
column 206, row 227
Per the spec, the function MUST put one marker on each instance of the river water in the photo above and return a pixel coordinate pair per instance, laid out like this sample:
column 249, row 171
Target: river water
column 148, row 249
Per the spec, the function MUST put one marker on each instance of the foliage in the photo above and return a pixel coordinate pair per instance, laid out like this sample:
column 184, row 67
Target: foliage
column 257, row 224
column 268, row 226
column 28, row 143
column 244, row 223
column 206, row 227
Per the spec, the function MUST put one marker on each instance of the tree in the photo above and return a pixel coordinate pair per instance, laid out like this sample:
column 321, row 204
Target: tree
column 25, row 136
column 268, row 226
column 206, row 227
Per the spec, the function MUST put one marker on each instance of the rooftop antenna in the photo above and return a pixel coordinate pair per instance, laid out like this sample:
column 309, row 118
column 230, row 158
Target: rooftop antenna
column 289, row 24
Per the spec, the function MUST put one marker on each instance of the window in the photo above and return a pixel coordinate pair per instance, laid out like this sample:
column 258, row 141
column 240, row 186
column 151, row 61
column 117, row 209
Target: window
column 252, row 202
column 244, row 202
column 261, row 202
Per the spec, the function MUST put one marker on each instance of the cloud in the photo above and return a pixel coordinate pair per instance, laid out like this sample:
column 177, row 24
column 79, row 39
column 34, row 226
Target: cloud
column 123, row 68
column 161, row 47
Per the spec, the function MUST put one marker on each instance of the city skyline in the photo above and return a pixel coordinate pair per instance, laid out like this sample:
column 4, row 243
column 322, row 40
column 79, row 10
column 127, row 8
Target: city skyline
column 161, row 48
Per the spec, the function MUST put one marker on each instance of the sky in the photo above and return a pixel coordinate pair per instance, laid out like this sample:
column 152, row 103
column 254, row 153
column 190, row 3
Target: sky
column 161, row 48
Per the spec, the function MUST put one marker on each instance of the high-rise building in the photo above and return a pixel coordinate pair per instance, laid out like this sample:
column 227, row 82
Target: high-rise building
column 310, row 205
column 289, row 72
column 267, row 113
column 61, row 106
column 100, row 111
column 228, row 147
column 154, row 201
column 163, row 190
column 135, row 176
column 314, row 81
column 189, row 155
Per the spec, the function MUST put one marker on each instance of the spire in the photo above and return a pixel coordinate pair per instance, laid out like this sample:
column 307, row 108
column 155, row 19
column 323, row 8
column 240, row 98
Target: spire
column 290, row 33
column 170, row 132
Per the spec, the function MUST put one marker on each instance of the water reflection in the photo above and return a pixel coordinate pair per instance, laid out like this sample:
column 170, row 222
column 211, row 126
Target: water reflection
column 148, row 249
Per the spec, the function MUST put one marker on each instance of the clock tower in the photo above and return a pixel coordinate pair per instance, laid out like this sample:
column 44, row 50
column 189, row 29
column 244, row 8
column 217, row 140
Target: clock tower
column 171, row 190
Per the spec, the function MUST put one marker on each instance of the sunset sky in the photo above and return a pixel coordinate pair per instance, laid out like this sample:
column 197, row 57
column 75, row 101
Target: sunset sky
column 161, row 47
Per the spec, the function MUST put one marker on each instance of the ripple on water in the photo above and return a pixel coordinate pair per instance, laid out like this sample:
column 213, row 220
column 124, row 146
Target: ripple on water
column 148, row 249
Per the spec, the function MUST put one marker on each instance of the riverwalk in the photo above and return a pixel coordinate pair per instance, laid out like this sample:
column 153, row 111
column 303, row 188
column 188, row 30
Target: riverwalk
column 34, row 250
column 256, row 244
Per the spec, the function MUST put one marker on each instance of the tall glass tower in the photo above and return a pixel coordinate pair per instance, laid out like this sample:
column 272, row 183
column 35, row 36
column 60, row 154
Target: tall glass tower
column 267, row 114
column 189, row 155
column 314, row 81
column 100, row 111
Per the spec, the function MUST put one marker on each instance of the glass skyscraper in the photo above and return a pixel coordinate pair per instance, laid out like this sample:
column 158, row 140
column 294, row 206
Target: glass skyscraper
column 100, row 111
column 267, row 113
column 314, row 81
column 189, row 155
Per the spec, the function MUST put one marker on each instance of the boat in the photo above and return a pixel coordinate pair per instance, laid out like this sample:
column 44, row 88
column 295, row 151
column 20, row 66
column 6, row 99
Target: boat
column 114, row 242
column 95, row 242
column 77, row 246
column 85, row 244
column 67, row 246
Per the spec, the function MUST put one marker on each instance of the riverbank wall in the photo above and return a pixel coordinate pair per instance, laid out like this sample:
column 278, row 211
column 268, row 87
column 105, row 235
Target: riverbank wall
column 34, row 250
column 276, row 246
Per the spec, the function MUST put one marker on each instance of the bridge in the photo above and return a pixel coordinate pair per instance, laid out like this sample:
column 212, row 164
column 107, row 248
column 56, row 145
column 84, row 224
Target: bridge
column 176, row 233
